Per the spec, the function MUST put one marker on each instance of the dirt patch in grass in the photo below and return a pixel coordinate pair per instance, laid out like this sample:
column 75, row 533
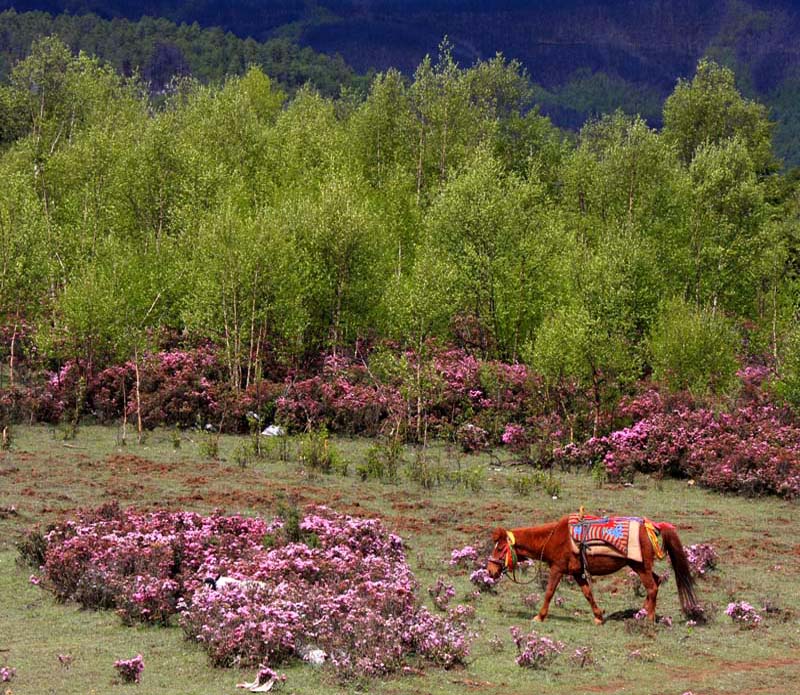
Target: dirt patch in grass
column 615, row 687
column 132, row 463
column 410, row 524
column 718, row 666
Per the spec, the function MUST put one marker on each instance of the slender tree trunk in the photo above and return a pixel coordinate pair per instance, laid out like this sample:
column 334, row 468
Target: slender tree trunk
column 420, row 161
column 251, row 347
column 237, row 346
column 419, row 389
column 443, row 156
column 775, row 322
column 139, row 428
column 597, row 403
column 11, row 356
column 124, row 412
column 230, row 331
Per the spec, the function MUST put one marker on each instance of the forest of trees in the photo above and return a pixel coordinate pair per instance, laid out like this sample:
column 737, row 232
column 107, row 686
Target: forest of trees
column 158, row 50
column 442, row 207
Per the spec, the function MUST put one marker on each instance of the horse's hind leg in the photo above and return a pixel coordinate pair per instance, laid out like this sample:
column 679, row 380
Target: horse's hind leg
column 650, row 583
column 586, row 588
column 552, row 583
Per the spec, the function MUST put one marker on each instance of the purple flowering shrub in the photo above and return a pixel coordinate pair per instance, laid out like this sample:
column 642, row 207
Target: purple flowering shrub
column 472, row 438
column 465, row 398
column 350, row 593
column 241, row 624
column 535, row 651
column 481, row 579
column 702, row 558
column 466, row 557
column 462, row 397
column 755, row 449
column 743, row 614
column 7, row 674
column 441, row 593
column 130, row 670
column 180, row 387
column 344, row 397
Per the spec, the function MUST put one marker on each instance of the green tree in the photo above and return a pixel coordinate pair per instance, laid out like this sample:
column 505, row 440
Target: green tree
column 478, row 224
column 787, row 385
column 240, row 288
column 693, row 348
column 382, row 128
column 573, row 347
column 728, row 229
column 342, row 258
column 24, row 259
column 709, row 110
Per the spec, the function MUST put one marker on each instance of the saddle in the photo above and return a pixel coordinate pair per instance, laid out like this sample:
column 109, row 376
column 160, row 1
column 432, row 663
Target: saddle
column 617, row 536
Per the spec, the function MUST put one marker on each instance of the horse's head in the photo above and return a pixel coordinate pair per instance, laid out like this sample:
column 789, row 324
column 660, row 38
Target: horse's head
column 503, row 555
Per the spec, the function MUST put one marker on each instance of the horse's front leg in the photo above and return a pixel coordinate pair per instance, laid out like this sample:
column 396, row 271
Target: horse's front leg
column 586, row 588
column 552, row 583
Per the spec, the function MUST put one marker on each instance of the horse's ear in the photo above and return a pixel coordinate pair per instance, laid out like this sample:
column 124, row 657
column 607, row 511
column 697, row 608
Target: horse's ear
column 499, row 534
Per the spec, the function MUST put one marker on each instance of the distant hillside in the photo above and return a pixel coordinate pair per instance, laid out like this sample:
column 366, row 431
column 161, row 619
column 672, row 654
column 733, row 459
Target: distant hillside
column 159, row 49
column 589, row 56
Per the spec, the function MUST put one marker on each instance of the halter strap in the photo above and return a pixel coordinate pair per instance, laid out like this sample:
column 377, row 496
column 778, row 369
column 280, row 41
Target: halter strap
column 511, row 554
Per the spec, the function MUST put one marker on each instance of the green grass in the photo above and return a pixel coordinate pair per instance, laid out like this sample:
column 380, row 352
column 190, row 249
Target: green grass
column 44, row 478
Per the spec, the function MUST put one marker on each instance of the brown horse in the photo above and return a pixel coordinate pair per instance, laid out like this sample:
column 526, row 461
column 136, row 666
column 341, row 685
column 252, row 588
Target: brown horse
column 550, row 543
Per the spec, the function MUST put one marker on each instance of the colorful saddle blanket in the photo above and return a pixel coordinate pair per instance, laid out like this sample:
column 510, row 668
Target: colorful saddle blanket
column 612, row 535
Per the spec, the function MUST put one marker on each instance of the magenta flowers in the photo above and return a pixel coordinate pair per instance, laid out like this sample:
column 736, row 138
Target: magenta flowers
column 535, row 651
column 743, row 614
column 349, row 594
column 130, row 670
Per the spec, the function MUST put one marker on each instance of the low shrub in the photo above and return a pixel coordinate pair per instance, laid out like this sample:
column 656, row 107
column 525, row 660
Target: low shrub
column 130, row 670
column 535, row 651
column 702, row 558
column 339, row 583
column 743, row 614
column 755, row 449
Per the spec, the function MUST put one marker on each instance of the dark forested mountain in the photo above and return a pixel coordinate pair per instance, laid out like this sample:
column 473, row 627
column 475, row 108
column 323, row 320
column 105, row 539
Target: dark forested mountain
column 588, row 56
column 158, row 50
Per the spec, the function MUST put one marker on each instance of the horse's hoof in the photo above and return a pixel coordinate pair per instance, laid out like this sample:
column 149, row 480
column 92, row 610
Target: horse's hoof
column 538, row 619
column 599, row 621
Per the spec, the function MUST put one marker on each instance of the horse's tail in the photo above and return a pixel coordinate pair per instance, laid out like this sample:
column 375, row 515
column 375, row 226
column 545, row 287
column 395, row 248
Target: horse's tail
column 680, row 565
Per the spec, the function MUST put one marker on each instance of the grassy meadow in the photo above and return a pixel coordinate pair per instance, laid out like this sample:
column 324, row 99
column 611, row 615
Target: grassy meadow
column 43, row 477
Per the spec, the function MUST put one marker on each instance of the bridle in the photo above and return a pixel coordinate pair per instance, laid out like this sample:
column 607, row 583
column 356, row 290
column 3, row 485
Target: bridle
column 509, row 564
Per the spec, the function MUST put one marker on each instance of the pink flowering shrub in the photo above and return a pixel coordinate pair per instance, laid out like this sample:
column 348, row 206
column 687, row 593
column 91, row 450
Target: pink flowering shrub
column 464, row 557
column 441, row 593
column 472, row 438
column 130, row 670
column 141, row 564
column 345, row 397
column 533, row 650
column 743, row 614
column 178, row 387
column 702, row 558
column 754, row 449
column 349, row 592
column 7, row 674
column 461, row 397
column 481, row 579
